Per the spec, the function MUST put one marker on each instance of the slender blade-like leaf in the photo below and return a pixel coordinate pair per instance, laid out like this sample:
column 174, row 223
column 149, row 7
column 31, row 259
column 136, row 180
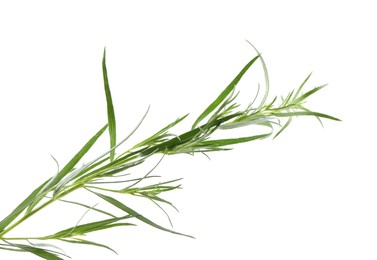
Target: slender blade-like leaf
column 231, row 141
column 284, row 127
column 17, row 211
column 72, row 163
column 185, row 136
column 266, row 77
column 225, row 93
column 110, row 107
column 130, row 211
column 306, row 113
column 42, row 253
column 87, row 242
column 301, row 86
column 88, row 207
column 90, row 227
column 307, row 94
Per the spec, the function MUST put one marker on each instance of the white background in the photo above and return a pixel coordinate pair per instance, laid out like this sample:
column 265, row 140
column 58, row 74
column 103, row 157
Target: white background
column 310, row 194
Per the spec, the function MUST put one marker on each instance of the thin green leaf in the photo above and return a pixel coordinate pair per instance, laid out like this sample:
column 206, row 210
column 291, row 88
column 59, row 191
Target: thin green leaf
column 185, row 137
column 306, row 113
column 162, row 209
column 305, row 109
column 43, row 253
column 47, row 247
column 231, row 141
column 225, row 93
column 301, row 86
column 87, row 242
column 103, row 181
column 110, row 108
column 146, row 175
column 130, row 211
column 156, row 198
column 266, row 77
column 72, row 163
column 307, row 94
column 284, row 127
column 160, row 134
column 58, row 179
column 9, row 248
column 90, row 227
column 20, row 208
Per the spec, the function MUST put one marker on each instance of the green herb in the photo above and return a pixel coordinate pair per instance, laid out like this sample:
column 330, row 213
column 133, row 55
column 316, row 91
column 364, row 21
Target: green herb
column 103, row 177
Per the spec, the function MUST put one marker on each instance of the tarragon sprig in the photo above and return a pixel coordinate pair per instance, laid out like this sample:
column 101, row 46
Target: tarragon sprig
column 110, row 173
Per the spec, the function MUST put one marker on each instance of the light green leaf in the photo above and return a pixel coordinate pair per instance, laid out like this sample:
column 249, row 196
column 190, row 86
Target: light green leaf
column 307, row 94
column 88, row 207
column 266, row 77
column 284, row 127
column 306, row 113
column 301, row 86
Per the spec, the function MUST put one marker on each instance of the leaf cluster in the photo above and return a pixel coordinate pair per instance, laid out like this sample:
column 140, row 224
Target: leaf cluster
column 105, row 175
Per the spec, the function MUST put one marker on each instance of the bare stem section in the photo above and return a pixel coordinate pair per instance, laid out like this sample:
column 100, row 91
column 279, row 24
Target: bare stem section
column 109, row 173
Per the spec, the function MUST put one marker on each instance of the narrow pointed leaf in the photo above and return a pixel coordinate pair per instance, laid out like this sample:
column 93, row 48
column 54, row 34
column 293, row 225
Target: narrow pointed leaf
column 18, row 210
column 88, row 207
column 156, row 137
column 73, row 162
column 90, row 227
column 110, row 107
column 284, row 127
column 225, row 93
column 178, row 140
column 306, row 113
column 231, row 141
column 87, row 242
column 130, row 211
column 42, row 253
column 307, row 94
column 266, row 77
column 301, row 86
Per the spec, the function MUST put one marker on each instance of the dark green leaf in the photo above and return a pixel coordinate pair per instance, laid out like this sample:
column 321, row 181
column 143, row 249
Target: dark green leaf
column 133, row 213
column 231, row 141
column 90, row 227
column 45, row 254
column 189, row 135
column 110, row 108
column 160, row 134
column 17, row 211
column 225, row 93
column 72, row 163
